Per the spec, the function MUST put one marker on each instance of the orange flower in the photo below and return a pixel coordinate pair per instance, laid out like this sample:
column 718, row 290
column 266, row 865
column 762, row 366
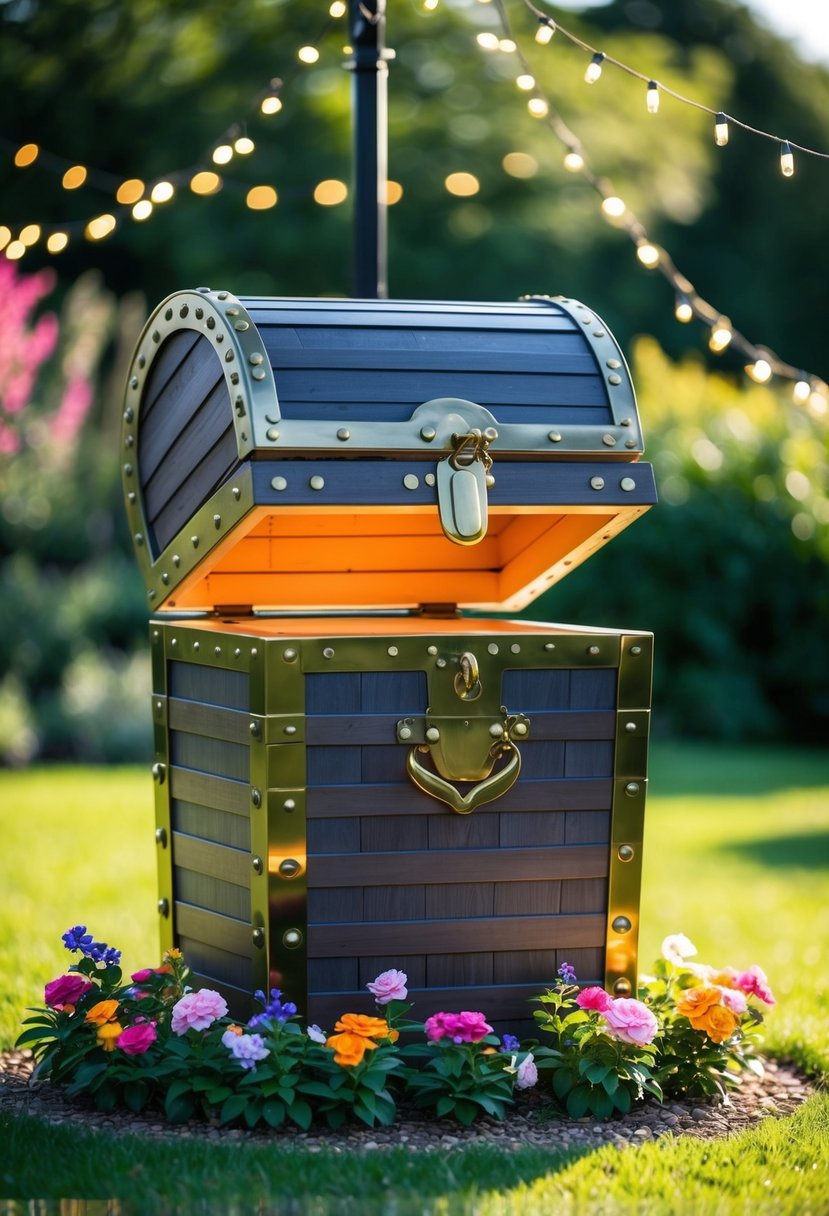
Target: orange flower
column 109, row 1034
column 719, row 1023
column 349, row 1048
column 103, row 1012
column 233, row 1029
column 363, row 1025
column 173, row 952
column 694, row 1003
column 723, row 979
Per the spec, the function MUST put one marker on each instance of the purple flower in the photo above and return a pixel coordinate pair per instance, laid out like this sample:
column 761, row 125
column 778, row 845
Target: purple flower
column 246, row 1048
column 510, row 1043
column 567, row 973
column 78, row 940
column 275, row 1010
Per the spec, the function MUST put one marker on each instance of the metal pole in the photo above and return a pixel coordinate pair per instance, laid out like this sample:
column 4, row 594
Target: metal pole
column 367, row 27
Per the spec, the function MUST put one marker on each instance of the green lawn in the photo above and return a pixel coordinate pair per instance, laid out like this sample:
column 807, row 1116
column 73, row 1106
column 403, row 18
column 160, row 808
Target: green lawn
column 737, row 857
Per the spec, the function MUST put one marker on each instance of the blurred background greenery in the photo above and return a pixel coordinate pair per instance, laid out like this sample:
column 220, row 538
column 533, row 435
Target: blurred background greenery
column 730, row 570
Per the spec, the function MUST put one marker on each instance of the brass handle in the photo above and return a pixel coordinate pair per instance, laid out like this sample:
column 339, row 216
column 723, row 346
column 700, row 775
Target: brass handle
column 488, row 790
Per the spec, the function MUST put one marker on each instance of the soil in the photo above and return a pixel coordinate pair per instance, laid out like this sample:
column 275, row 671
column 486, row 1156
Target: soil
column 530, row 1122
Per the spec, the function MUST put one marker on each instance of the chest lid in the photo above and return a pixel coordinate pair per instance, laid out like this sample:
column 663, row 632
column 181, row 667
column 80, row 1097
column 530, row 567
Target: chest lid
column 304, row 454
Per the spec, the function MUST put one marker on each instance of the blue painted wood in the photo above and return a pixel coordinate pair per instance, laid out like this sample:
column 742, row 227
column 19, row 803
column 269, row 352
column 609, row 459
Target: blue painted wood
column 285, row 344
column 214, row 685
column 210, row 755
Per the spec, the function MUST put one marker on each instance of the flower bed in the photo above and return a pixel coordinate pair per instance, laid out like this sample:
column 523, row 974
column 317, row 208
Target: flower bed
column 153, row 1043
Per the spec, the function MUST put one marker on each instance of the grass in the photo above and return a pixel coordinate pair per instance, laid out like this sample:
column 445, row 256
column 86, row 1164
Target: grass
column 737, row 857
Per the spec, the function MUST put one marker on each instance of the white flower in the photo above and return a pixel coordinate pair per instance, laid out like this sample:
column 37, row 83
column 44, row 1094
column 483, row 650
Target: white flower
column 315, row 1034
column 676, row 948
column 527, row 1074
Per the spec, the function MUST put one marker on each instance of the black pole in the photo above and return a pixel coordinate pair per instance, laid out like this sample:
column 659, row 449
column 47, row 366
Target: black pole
column 367, row 27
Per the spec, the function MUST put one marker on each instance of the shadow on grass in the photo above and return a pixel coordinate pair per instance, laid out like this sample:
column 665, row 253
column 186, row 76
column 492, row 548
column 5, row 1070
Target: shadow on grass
column 802, row 851
column 705, row 770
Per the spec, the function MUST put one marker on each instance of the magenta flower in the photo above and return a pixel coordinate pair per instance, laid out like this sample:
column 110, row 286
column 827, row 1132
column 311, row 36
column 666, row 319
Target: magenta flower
column 198, row 1010
column 389, row 986
column 65, row 990
column 630, row 1021
column 141, row 977
column 135, row 1040
column 755, row 983
column 594, row 998
column 466, row 1027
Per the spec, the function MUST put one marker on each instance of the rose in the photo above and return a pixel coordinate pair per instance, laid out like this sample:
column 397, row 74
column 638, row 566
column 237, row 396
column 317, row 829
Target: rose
column 755, row 983
column 141, row 977
column 594, row 998
column 349, row 1048
column 526, row 1074
column 102, row 1012
column 65, row 990
column 389, row 986
column 466, row 1027
column 718, row 1023
column 364, row 1025
column 676, row 948
column 694, row 1003
column 137, row 1039
column 197, row 1011
column 734, row 1000
column 630, row 1021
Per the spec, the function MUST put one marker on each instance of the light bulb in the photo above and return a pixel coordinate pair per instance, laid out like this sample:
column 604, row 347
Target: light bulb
column 721, row 130
column 331, row 192
column 801, row 392
column 261, row 198
column 613, row 207
column 507, row 45
column 647, row 254
column 720, row 335
column 222, row 154
column 652, row 97
column 56, row 242
column 430, row 5
column 760, row 371
column 487, row 41
column 683, row 310
column 786, row 160
column 545, row 31
column 464, row 185
column 5, row 236
column 74, row 177
column 142, row 210
column 130, row 191
column 338, row 9
column 594, row 68
column 205, row 182
column 308, row 54
column 525, row 82
column 29, row 235
column 99, row 227
column 270, row 105
column 243, row 145
column 15, row 250
column 574, row 162
column 26, row 155
column 538, row 107
column 162, row 192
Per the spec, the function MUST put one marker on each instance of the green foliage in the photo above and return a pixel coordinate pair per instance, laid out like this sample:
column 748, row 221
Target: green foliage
column 462, row 1080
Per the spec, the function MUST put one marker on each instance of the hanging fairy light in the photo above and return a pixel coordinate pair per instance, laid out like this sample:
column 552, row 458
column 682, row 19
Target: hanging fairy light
column 99, row 227
column 205, row 182
column 573, row 161
column 430, row 5
column 130, row 191
column 683, row 309
column 801, row 392
column 308, row 54
column 545, row 31
column 721, row 335
column 538, row 107
column 162, row 192
column 74, row 177
column 721, row 130
column 26, row 155
column 613, row 207
column 270, row 105
column 487, row 41
column 760, row 371
column 142, row 210
column 338, row 9
column 29, row 235
column 243, row 145
column 647, row 253
column 594, row 68
column 652, row 97
column 56, row 242
column 222, row 154
column 786, row 159
column 525, row 82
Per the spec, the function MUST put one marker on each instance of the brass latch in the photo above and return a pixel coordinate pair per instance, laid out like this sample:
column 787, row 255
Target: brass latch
column 463, row 479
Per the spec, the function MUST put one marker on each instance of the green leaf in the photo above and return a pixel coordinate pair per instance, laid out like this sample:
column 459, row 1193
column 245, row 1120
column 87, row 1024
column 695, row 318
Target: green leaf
column 218, row 1094
column 180, row 1108
column 444, row 1106
column 136, row 1094
column 596, row 1073
column 316, row 1089
column 301, row 1114
column 36, row 1035
column 577, row 1102
column 610, row 1082
column 273, row 1112
column 232, row 1107
column 601, row 1104
column 622, row 1100
column 465, row 1112
column 365, row 1113
column 562, row 1083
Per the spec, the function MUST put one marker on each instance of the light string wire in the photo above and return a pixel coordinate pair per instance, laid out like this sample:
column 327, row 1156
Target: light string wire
column 808, row 388
column 553, row 24
column 161, row 188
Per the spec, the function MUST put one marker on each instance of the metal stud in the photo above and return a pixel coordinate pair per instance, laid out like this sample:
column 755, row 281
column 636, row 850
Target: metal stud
column 241, row 326
column 496, row 731
column 128, row 470
column 163, row 907
column 622, row 987
column 614, row 378
column 236, row 492
column 328, row 652
column 197, row 646
column 630, row 727
column 613, row 364
column 237, row 653
column 632, row 789
column 232, row 312
column 176, row 560
column 630, row 443
column 211, row 322
column 427, row 433
column 129, row 441
column 549, row 645
column 554, row 437
column 598, row 333
column 161, row 837
column 258, row 937
column 515, row 648
column 609, row 441
column 165, row 578
column 257, row 864
column 292, row 938
column 290, row 655
column 430, row 479
column 289, row 730
column 255, row 729
column 139, row 539
column 256, row 797
column 627, row 484
column 279, row 483
column 597, row 483
column 255, row 359
column 290, row 867
column 621, row 925
column 626, row 852
column 259, row 373
column 253, row 652
column 217, row 650
column 411, row 481
column 440, row 662
column 289, row 805
column 221, row 295
column 343, row 434
column 194, row 541
column 520, row 729
column 493, row 648
column 217, row 522
column 593, row 650
column 636, row 650
column 129, row 414
column 317, row 482
column 272, row 433
column 626, row 422
column 431, row 650
column 393, row 651
column 229, row 356
column 433, row 734
column 131, row 496
column 404, row 733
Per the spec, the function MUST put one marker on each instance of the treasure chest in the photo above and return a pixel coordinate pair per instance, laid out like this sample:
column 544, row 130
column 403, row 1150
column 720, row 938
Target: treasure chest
column 355, row 768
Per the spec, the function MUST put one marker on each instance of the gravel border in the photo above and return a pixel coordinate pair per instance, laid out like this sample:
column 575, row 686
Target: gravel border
column 779, row 1093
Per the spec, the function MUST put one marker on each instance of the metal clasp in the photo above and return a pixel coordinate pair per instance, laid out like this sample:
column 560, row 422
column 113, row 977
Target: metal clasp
column 463, row 479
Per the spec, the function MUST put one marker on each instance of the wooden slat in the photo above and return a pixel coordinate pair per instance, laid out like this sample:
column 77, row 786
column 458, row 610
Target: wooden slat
column 215, row 685
column 210, row 824
column 217, row 860
column 334, row 801
column 343, row 728
column 463, row 866
column 189, row 386
column 199, row 719
column 497, row 1001
column 284, row 341
column 223, row 932
column 172, row 354
column 458, row 936
column 201, row 433
column 218, row 792
column 517, row 409
column 195, row 489
column 404, row 318
column 553, row 361
column 212, row 894
column 231, row 760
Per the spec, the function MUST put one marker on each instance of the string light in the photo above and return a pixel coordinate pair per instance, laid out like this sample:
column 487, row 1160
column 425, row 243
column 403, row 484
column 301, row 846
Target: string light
column 205, row 182
column 330, row 193
column 394, row 193
column 15, row 250
column 652, row 99
column 29, row 235
column 270, row 105
column 142, row 210
column 463, row 185
column 594, row 68
column 261, row 198
column 613, row 207
column 721, row 130
column 507, row 46
column 545, row 31
column 538, row 107
column 26, row 155
column 647, row 254
column 721, row 335
column 525, row 82
column 99, row 227
column 786, row 159
column 574, row 162
column 56, row 242
column 801, row 392
column 520, row 164
column 487, row 41
column 243, row 145
column 5, row 236
column 760, row 371
column 130, row 191
column 222, row 155
column 430, row 5
column 338, row 9
column 683, row 310
column 74, row 178
column 308, row 54
column 162, row 192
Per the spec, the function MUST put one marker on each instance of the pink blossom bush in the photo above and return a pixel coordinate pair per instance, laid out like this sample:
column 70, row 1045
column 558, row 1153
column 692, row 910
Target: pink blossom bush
column 755, row 983
column 630, row 1021
column 65, row 990
column 389, row 986
column 198, row 1010
column 137, row 1039
column 466, row 1027
column 594, row 998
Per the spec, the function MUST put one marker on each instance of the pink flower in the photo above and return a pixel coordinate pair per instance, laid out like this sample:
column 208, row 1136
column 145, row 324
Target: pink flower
column 198, row 1010
column 389, row 986
column 734, row 1000
column 676, row 948
column 594, row 998
column 135, row 1040
column 754, row 983
column 141, row 977
column 630, row 1021
column 527, row 1074
column 466, row 1027
column 65, row 990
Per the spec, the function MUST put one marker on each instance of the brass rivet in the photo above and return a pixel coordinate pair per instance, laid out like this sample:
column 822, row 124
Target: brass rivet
column 236, row 492
column 133, row 382
column 159, row 705
column 237, row 653
column 343, row 434
column 430, row 479
column 598, row 333
column 597, row 483
column 317, row 482
column 131, row 496
column 630, row 443
column 255, row 730
column 393, row 651
column 183, row 311
column 174, row 641
column 161, row 837
column 496, row 731
column 431, row 650
column 440, row 662
column 221, row 295
column 255, row 359
column 613, row 363
column 217, row 521
column 609, row 441
column 411, row 481
column 636, row 650
column 156, row 635
column 142, row 359
column 632, row 789
column 241, row 326
column 433, row 734
column 232, row 312
column 328, row 652
column 554, row 436
column 549, row 645
column 234, row 378
column 427, row 433
column 493, row 647
column 520, row 729
column 515, row 648
column 626, row 852
column 588, row 320
column 404, row 733
column 594, row 650
column 211, row 322
column 163, row 906
column 129, row 441
column 168, row 315
column 194, row 540
column 290, row 867
column 622, row 987
column 139, row 539
column 150, row 595
column 156, row 336
column 256, row 797
column 199, row 314
column 258, row 937
column 630, row 727
column 279, row 483
column 254, row 652
column 292, row 938
column 621, row 925
column 289, row 730
column 289, row 805
column 176, row 560
column 256, row 862
column 627, row 484
column 290, row 655
column 259, row 373
column 272, row 433
column 490, row 434
column 614, row 378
